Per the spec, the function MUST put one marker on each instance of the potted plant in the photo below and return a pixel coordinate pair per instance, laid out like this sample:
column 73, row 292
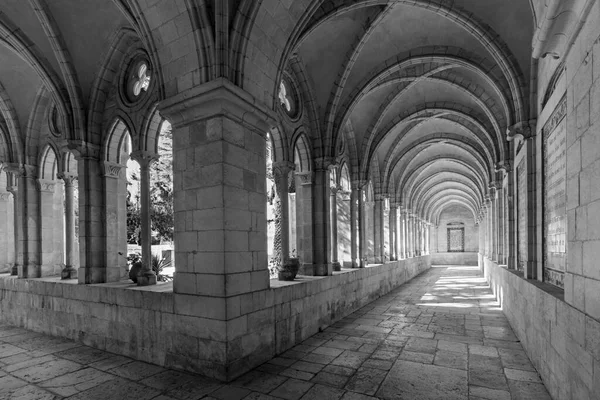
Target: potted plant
column 289, row 268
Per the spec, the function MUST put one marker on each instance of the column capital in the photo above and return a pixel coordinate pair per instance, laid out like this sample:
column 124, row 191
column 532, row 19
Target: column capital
column 359, row 184
column 306, row 178
column 395, row 204
column 382, row 197
column 5, row 196
column 144, row 158
column 111, row 170
column 218, row 97
column 283, row 167
column 21, row 170
column 68, row 177
column 46, row 185
column 80, row 148
column 324, row 163
column 521, row 131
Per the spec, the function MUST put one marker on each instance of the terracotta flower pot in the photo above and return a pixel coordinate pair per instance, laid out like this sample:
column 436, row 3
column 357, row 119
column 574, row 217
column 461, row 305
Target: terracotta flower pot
column 289, row 269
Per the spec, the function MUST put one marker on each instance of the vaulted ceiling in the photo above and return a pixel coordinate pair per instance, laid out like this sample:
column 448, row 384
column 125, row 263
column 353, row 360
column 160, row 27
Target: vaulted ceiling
column 423, row 94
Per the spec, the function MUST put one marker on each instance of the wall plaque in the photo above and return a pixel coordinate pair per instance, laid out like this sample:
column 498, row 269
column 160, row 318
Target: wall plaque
column 456, row 240
column 554, row 179
column 522, row 216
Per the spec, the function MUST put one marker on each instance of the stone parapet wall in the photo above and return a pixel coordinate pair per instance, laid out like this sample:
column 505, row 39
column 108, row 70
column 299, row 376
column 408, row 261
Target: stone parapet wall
column 562, row 342
column 454, row 258
column 185, row 332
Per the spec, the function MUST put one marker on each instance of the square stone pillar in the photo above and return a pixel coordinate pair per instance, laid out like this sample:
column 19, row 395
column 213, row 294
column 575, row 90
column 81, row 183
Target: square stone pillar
column 26, row 221
column 304, row 222
column 17, row 226
column 219, row 170
column 392, row 231
column 47, row 224
column 115, row 222
column 356, row 226
column 321, row 218
column 6, row 238
column 92, row 217
column 379, row 236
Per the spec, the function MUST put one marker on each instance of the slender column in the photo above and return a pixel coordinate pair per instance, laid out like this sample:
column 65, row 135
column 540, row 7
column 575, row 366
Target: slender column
column 47, row 224
column 393, row 224
column 404, row 228
column 356, row 226
column 321, row 216
column 345, row 228
column 333, row 218
column 499, row 224
column 413, row 236
column 379, row 238
column 408, row 234
column 145, row 159
column 494, row 225
column 488, row 230
column 5, row 237
column 281, row 173
column 304, row 221
column 17, row 228
column 70, row 270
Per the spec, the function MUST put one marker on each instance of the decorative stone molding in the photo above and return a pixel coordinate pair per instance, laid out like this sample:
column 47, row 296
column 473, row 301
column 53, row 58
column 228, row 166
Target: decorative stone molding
column 21, row 170
column 46, row 185
column 359, row 184
column 521, row 131
column 144, row 158
column 5, row 196
column 559, row 113
column 381, row 197
column 214, row 98
column 69, row 178
column 324, row 163
column 503, row 166
column 306, row 178
column 80, row 148
column 111, row 170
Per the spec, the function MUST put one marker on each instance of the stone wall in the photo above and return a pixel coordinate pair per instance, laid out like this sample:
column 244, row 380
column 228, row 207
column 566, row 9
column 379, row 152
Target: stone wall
column 562, row 342
column 455, row 217
column 454, row 259
column 162, row 327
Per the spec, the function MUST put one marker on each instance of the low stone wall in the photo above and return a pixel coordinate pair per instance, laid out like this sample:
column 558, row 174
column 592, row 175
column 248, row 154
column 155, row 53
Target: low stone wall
column 454, row 258
column 562, row 342
column 161, row 327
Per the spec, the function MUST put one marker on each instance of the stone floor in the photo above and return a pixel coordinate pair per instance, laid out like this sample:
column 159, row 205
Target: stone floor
column 440, row 336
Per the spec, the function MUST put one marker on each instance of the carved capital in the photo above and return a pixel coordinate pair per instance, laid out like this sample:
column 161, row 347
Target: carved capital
column 46, row 185
column 80, row 148
column 144, row 158
column 382, row 197
column 324, row 163
column 283, row 168
column 5, row 196
column 521, row 131
column 111, row 170
column 359, row 184
column 69, row 178
column 21, row 170
column 306, row 178
column 503, row 166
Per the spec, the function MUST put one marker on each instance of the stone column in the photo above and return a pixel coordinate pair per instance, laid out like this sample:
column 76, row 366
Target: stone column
column 70, row 270
column 356, row 226
column 47, row 223
column 17, row 227
column 378, row 224
column 321, row 217
column 115, row 224
column 304, row 215
column 5, row 236
column 413, row 236
column 219, row 160
column 403, row 229
column 145, row 159
column 499, row 224
column 344, row 228
column 281, row 173
column 333, row 221
column 393, row 225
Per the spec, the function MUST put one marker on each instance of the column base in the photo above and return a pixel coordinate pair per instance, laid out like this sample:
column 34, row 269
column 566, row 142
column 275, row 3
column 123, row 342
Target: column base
column 307, row 269
column 146, row 279
column 68, row 273
column 323, row 269
column 14, row 270
column 336, row 266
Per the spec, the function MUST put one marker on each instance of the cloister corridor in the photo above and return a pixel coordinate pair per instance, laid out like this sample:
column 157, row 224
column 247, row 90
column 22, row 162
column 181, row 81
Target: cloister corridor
column 441, row 335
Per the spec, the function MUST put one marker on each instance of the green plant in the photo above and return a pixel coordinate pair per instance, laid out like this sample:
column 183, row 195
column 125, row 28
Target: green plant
column 158, row 265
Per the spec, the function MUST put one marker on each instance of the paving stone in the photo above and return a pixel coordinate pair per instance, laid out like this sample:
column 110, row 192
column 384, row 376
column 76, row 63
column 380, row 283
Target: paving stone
column 350, row 359
column 357, row 396
column 417, row 381
column 31, row 392
column 423, row 358
column 487, row 379
column 487, row 393
column 520, row 375
column 330, row 379
column 75, row 382
column 294, row 373
column 452, row 346
column 259, row 381
column 366, row 381
column 292, row 389
column 84, row 355
column 336, row 369
column 319, row 392
column 257, row 396
column 8, row 350
column 420, row 345
column 194, row 389
column 450, row 359
column 307, row 366
column 378, row 364
column 486, row 351
column 47, row 370
column 341, row 344
column 117, row 389
column 328, row 351
column 528, row 390
column 230, row 393
column 111, row 362
column 136, row 370
column 515, row 359
column 168, row 380
column 318, row 358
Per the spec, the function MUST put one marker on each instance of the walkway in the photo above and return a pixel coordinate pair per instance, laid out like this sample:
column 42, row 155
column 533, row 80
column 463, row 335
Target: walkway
column 440, row 336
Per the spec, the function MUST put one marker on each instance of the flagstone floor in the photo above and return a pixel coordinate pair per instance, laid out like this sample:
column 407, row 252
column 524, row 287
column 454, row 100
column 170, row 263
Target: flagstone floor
column 440, row 336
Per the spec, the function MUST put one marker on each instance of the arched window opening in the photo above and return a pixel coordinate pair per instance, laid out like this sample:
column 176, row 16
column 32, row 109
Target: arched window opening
column 273, row 213
column 344, row 230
